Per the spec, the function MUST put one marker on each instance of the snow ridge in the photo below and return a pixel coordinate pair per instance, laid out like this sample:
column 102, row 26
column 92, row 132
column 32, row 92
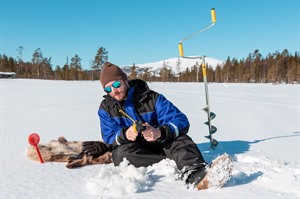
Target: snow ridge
column 173, row 64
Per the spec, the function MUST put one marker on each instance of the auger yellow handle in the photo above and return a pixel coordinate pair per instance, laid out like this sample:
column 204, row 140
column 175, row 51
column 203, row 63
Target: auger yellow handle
column 180, row 50
column 213, row 15
column 204, row 69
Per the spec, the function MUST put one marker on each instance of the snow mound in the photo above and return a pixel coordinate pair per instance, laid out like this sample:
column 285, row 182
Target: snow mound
column 119, row 180
column 127, row 179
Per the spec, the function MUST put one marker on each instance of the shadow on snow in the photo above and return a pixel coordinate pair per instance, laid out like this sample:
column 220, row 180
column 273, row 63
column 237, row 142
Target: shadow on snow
column 233, row 148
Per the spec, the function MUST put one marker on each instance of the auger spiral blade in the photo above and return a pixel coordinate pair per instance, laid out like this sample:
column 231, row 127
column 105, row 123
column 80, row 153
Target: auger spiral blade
column 212, row 129
column 214, row 144
column 211, row 114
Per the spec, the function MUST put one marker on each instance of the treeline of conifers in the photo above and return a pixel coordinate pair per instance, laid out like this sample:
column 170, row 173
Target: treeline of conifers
column 278, row 67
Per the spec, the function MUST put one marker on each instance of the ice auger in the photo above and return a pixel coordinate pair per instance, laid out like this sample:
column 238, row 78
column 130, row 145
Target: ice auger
column 210, row 115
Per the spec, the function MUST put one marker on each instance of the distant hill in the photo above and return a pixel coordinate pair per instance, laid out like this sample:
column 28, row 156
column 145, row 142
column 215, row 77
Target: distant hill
column 171, row 63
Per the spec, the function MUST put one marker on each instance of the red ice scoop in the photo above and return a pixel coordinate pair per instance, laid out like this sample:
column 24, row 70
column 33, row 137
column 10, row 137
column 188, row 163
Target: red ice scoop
column 34, row 139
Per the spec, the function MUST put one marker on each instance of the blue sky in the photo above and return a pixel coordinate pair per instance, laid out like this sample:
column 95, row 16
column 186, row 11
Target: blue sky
column 143, row 31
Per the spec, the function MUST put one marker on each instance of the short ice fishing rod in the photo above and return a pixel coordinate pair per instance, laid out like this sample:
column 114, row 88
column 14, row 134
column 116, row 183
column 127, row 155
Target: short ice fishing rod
column 210, row 115
column 137, row 124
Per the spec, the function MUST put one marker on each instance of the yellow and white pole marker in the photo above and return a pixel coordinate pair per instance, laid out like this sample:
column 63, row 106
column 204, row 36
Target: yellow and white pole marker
column 210, row 115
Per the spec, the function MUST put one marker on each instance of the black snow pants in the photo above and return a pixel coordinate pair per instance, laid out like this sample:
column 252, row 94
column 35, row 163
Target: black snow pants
column 142, row 153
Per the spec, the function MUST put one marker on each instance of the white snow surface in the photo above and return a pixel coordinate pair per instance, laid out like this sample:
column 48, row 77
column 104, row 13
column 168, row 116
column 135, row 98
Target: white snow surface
column 258, row 126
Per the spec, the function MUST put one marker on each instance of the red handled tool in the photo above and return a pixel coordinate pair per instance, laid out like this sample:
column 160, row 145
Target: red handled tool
column 34, row 139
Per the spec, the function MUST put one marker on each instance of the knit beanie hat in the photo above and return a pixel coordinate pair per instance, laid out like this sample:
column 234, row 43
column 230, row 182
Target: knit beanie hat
column 111, row 72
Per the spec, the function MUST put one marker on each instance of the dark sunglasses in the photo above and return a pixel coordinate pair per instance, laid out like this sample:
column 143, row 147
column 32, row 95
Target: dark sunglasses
column 116, row 84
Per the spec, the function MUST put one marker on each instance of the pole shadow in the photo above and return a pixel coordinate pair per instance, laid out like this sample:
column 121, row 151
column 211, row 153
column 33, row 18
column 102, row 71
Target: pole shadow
column 234, row 148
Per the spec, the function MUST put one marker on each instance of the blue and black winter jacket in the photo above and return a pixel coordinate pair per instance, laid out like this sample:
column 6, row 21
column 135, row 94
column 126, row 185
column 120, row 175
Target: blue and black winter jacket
column 144, row 105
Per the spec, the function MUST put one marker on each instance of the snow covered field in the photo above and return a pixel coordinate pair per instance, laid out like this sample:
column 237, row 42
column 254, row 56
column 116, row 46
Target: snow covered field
column 258, row 125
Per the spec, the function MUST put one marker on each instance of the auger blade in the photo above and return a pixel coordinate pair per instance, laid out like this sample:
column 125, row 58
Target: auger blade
column 207, row 136
column 213, row 130
column 212, row 116
column 214, row 144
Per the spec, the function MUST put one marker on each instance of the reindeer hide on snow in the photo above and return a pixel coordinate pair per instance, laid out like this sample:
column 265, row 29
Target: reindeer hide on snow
column 61, row 150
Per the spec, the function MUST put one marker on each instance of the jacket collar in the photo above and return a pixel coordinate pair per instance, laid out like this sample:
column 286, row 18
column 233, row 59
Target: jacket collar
column 140, row 88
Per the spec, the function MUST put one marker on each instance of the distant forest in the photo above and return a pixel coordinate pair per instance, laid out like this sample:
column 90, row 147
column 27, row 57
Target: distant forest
column 278, row 67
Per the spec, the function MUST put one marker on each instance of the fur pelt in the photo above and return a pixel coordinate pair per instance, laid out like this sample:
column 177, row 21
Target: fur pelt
column 61, row 150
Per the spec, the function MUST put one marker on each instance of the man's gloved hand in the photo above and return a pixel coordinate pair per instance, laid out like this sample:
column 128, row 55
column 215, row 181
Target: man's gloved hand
column 94, row 148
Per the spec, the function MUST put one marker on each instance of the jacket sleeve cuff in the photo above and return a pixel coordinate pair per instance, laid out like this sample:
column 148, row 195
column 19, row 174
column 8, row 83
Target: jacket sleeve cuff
column 166, row 133
column 121, row 137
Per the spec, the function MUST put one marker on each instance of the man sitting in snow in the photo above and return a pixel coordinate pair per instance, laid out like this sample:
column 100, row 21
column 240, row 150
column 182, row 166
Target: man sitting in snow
column 163, row 133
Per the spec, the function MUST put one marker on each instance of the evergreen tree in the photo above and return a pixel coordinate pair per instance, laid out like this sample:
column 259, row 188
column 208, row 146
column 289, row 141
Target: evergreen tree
column 195, row 73
column 100, row 58
column 37, row 58
column 178, row 68
column 218, row 74
column 58, row 73
column 186, row 75
column 20, row 63
column 46, row 72
column 133, row 73
column 247, row 69
column 166, row 73
column 210, row 74
column 20, row 53
column 226, row 70
column 239, row 71
column 66, row 70
column 75, row 67
column 146, row 75
column 4, row 64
